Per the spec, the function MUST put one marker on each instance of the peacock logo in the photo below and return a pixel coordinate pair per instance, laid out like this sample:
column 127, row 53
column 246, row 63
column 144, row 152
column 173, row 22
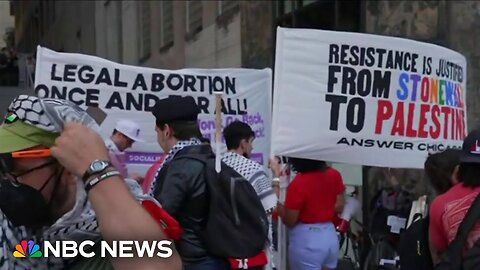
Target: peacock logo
column 27, row 250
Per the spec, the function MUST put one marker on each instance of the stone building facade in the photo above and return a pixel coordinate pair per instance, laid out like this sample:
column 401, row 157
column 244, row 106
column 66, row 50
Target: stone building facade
column 67, row 26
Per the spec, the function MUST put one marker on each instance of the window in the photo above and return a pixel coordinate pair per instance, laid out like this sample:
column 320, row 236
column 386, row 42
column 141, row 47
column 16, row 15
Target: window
column 144, row 40
column 166, row 24
column 194, row 17
column 227, row 6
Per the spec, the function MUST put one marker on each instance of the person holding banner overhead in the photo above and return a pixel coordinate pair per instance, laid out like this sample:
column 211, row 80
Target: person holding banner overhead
column 58, row 184
column 314, row 198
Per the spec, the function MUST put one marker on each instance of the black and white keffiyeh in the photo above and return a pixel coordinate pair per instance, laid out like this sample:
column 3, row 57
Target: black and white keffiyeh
column 78, row 224
column 171, row 154
column 49, row 114
column 256, row 176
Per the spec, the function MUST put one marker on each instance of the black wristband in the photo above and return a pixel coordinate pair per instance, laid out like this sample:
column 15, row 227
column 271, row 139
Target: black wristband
column 90, row 184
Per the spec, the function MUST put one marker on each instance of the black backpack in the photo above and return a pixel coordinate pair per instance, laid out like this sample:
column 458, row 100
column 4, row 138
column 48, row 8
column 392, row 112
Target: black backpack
column 453, row 258
column 237, row 225
column 413, row 249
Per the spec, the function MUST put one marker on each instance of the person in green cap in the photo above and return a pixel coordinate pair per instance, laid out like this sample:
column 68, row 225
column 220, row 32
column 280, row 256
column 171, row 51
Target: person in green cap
column 56, row 183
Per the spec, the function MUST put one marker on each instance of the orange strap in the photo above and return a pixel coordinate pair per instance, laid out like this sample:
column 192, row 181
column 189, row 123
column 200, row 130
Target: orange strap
column 32, row 153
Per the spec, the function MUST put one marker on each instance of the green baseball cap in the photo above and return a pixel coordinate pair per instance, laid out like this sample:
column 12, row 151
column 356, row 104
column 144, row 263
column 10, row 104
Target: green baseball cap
column 16, row 135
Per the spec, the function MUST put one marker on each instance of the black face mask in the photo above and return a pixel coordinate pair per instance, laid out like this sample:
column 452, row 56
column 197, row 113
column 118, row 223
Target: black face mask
column 24, row 205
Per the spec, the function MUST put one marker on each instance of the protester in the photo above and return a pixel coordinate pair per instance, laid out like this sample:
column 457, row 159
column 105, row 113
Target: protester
column 180, row 185
column 43, row 194
column 442, row 168
column 125, row 134
column 239, row 138
column 313, row 199
column 448, row 210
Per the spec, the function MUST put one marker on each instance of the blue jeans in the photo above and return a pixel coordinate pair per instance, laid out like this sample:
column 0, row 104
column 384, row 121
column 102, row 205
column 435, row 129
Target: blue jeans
column 211, row 263
column 313, row 246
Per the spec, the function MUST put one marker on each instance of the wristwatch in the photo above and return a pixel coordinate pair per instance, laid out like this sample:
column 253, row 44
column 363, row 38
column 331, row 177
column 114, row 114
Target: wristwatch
column 96, row 167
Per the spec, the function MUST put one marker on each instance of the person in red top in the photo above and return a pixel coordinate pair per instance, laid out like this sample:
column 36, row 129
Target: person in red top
column 448, row 210
column 313, row 200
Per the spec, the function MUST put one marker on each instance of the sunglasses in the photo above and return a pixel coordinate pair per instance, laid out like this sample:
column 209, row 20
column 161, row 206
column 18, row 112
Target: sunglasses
column 6, row 159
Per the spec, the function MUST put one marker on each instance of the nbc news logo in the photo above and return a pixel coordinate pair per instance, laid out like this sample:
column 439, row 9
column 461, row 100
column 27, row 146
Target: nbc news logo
column 27, row 250
column 115, row 249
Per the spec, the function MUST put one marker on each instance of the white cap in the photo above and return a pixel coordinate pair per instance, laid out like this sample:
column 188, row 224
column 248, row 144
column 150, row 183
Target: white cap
column 129, row 129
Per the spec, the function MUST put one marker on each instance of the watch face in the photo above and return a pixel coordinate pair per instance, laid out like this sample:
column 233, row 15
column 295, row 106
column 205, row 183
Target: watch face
column 98, row 165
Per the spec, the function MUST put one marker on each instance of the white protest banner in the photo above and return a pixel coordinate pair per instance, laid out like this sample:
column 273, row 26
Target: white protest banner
column 366, row 99
column 130, row 92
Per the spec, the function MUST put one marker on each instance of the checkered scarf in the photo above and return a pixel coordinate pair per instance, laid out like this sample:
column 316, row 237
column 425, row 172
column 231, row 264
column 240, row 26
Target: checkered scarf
column 255, row 174
column 78, row 224
column 171, row 154
column 49, row 114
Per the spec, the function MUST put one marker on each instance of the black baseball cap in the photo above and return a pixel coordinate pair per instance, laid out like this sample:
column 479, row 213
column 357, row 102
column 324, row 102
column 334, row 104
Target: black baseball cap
column 471, row 148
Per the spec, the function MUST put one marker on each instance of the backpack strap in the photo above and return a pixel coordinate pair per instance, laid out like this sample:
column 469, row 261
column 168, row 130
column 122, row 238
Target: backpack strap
column 467, row 225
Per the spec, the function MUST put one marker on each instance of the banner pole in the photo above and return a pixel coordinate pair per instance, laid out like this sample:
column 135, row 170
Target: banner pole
column 218, row 131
